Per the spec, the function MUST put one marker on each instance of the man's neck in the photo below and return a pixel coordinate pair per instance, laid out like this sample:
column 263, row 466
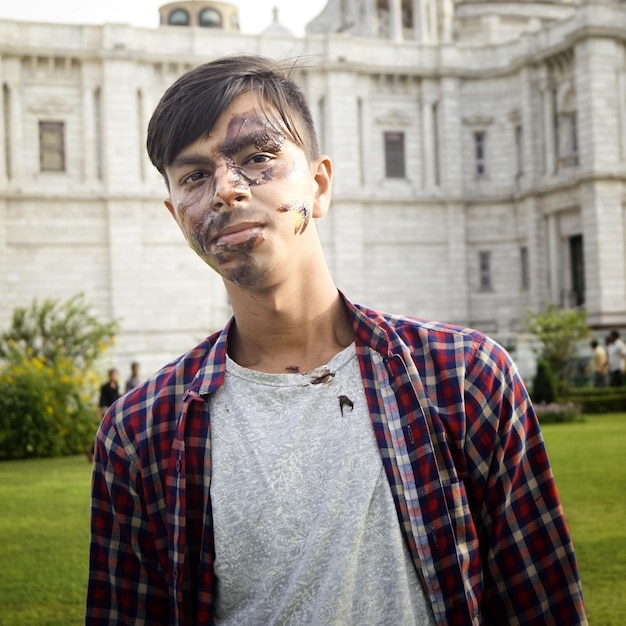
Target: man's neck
column 289, row 332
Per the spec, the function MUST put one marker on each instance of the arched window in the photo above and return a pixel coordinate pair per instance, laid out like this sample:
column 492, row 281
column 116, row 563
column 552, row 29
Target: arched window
column 210, row 18
column 178, row 17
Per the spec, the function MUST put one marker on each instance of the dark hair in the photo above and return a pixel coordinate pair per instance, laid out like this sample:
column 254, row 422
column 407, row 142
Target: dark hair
column 191, row 106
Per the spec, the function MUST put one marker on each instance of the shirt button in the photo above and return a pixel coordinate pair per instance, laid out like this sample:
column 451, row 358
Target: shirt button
column 178, row 466
column 175, row 574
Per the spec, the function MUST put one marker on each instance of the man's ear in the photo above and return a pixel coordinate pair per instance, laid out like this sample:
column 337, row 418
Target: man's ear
column 170, row 207
column 323, row 175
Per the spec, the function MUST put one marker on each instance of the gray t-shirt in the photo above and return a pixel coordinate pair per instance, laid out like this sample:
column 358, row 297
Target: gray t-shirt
column 306, row 531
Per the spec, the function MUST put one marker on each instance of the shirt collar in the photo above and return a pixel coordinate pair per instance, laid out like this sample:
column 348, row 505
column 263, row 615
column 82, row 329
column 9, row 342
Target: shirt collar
column 371, row 328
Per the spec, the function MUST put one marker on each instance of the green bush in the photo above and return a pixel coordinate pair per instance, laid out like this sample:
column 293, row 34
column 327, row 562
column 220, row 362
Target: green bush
column 53, row 329
column 45, row 410
column 544, row 383
column 558, row 332
column 47, row 391
column 599, row 400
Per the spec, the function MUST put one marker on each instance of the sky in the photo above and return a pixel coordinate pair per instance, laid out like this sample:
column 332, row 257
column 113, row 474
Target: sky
column 254, row 15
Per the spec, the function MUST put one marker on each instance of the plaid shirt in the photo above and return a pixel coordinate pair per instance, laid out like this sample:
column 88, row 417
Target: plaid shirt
column 461, row 448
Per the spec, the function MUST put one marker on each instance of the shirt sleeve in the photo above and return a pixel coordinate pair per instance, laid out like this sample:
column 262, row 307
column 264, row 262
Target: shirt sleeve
column 530, row 571
column 127, row 571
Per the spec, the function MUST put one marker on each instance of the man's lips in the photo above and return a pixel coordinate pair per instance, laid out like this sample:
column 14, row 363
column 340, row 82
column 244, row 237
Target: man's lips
column 237, row 233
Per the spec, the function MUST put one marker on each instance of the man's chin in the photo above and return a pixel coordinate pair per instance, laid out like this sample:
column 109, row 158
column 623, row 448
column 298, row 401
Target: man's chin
column 245, row 275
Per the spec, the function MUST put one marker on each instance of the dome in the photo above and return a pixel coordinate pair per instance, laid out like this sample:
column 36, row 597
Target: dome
column 276, row 28
column 204, row 14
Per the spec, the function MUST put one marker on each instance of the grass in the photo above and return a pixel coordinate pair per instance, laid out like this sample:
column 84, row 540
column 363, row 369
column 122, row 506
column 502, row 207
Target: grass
column 44, row 541
column 44, row 526
column 590, row 468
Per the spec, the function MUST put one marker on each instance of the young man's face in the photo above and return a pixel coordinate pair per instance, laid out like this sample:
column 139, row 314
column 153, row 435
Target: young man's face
column 245, row 194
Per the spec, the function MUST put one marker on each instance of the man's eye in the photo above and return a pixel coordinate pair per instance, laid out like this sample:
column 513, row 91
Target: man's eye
column 194, row 176
column 259, row 158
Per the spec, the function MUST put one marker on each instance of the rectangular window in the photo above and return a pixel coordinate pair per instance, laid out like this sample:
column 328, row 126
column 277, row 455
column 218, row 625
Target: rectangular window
column 52, row 146
column 519, row 150
column 484, row 269
column 436, row 156
column 573, row 133
column 394, row 155
column 480, row 152
column 577, row 263
column 569, row 138
column 524, row 266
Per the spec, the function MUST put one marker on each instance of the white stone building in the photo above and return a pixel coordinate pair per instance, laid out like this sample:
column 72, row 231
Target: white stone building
column 479, row 152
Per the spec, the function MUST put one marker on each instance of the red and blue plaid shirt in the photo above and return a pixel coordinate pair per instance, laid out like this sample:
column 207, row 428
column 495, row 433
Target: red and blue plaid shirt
column 460, row 444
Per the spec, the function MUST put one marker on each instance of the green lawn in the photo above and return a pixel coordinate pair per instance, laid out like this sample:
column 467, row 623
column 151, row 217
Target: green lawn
column 589, row 462
column 44, row 541
column 44, row 519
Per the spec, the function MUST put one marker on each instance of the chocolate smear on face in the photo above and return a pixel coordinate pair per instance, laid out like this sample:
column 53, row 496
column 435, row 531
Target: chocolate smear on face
column 250, row 129
column 303, row 217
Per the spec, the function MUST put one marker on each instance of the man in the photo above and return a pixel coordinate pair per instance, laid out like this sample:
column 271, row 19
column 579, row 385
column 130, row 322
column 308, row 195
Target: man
column 616, row 353
column 134, row 378
column 315, row 462
column 598, row 364
column 109, row 391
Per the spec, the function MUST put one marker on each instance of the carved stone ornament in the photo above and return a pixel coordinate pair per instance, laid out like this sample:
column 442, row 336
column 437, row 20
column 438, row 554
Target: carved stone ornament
column 478, row 120
column 394, row 118
column 52, row 105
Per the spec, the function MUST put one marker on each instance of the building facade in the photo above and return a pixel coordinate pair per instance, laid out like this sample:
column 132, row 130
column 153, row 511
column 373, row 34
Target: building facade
column 479, row 152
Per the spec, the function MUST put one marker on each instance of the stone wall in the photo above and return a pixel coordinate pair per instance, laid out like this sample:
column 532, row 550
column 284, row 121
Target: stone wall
column 409, row 245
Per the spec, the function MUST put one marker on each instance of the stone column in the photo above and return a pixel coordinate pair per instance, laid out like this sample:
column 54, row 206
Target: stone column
column 90, row 139
column 120, row 126
column 4, row 94
column 16, row 134
column 429, row 151
column 621, row 105
column 548, row 128
column 597, row 68
column 433, row 21
column 553, row 259
column 449, row 136
column 420, row 24
column 355, row 17
column 395, row 20
column 371, row 18
column 447, row 27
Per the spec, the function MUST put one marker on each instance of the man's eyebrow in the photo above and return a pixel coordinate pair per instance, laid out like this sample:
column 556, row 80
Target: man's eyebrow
column 261, row 137
column 184, row 160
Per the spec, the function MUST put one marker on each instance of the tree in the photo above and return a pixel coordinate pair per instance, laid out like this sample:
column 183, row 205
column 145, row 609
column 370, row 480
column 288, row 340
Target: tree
column 558, row 332
column 544, row 384
column 47, row 391
column 55, row 329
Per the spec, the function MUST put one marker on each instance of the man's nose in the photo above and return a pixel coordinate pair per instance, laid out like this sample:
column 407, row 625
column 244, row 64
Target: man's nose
column 231, row 186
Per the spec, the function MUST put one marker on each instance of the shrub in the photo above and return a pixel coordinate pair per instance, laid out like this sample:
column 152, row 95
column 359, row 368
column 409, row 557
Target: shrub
column 47, row 391
column 558, row 332
column 54, row 329
column 544, row 384
column 599, row 400
column 558, row 412
column 45, row 410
